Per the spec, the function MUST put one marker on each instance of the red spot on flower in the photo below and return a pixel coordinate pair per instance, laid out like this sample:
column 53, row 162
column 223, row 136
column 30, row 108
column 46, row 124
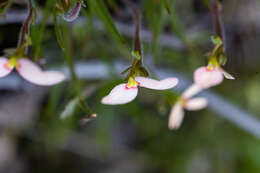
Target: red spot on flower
column 208, row 69
column 18, row 68
column 7, row 67
column 127, row 88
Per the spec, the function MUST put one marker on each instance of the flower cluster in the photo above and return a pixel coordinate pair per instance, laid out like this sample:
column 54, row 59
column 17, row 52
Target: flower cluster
column 204, row 77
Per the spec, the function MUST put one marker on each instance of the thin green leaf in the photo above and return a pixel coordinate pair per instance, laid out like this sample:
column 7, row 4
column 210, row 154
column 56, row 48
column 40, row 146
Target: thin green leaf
column 38, row 40
column 143, row 71
column 70, row 108
column 58, row 30
column 100, row 9
column 68, row 52
column 83, row 105
column 166, row 5
column 5, row 6
column 126, row 70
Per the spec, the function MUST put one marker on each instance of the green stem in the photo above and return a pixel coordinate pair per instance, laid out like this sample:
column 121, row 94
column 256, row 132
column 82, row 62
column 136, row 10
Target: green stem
column 46, row 14
column 68, row 53
column 9, row 3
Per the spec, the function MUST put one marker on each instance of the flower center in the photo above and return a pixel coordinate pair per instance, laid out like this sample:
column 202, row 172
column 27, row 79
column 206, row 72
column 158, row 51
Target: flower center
column 13, row 62
column 132, row 83
column 182, row 101
column 213, row 63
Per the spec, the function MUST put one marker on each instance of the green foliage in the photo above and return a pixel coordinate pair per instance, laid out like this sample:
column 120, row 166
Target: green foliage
column 100, row 9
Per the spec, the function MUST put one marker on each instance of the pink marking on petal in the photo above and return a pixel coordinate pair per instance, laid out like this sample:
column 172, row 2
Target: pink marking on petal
column 4, row 68
column 120, row 94
column 155, row 84
column 33, row 73
column 126, row 87
column 176, row 116
column 206, row 78
column 7, row 67
column 196, row 104
column 208, row 69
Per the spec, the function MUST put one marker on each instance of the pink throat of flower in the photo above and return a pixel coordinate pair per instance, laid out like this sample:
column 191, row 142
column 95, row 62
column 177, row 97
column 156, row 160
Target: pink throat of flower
column 132, row 87
column 7, row 67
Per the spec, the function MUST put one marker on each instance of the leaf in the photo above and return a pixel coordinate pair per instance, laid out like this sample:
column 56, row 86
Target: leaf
column 126, row 70
column 143, row 71
column 4, row 6
column 57, row 29
column 216, row 40
column 100, row 9
column 40, row 33
column 70, row 108
column 68, row 52
column 155, row 19
column 73, row 105
column 9, row 52
column 83, row 105
column 166, row 5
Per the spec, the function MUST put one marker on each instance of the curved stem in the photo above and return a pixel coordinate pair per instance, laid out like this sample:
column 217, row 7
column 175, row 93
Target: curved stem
column 22, row 43
column 219, row 26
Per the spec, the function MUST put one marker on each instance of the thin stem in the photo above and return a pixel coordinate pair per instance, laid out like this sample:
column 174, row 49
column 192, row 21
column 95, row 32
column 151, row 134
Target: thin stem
column 47, row 13
column 68, row 53
column 25, row 30
column 219, row 26
column 137, row 43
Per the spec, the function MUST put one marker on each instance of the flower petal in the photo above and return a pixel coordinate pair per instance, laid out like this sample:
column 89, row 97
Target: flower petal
column 176, row 116
column 120, row 95
column 155, row 84
column 32, row 72
column 206, row 78
column 226, row 74
column 4, row 69
column 196, row 104
column 191, row 91
column 73, row 13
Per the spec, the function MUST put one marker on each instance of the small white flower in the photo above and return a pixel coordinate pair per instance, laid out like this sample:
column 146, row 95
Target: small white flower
column 210, row 76
column 177, row 111
column 126, row 92
column 30, row 71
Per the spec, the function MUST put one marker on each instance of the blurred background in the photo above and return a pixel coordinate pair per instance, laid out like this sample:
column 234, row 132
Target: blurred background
column 48, row 129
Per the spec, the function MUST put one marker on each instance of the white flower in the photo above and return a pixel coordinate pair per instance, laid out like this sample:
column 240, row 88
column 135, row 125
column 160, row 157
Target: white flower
column 30, row 71
column 210, row 76
column 177, row 111
column 126, row 92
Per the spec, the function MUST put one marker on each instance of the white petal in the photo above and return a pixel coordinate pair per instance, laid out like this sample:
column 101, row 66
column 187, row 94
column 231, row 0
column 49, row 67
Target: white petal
column 73, row 13
column 33, row 73
column 155, row 84
column 120, row 95
column 191, row 91
column 176, row 116
column 196, row 104
column 206, row 78
column 4, row 69
column 226, row 74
